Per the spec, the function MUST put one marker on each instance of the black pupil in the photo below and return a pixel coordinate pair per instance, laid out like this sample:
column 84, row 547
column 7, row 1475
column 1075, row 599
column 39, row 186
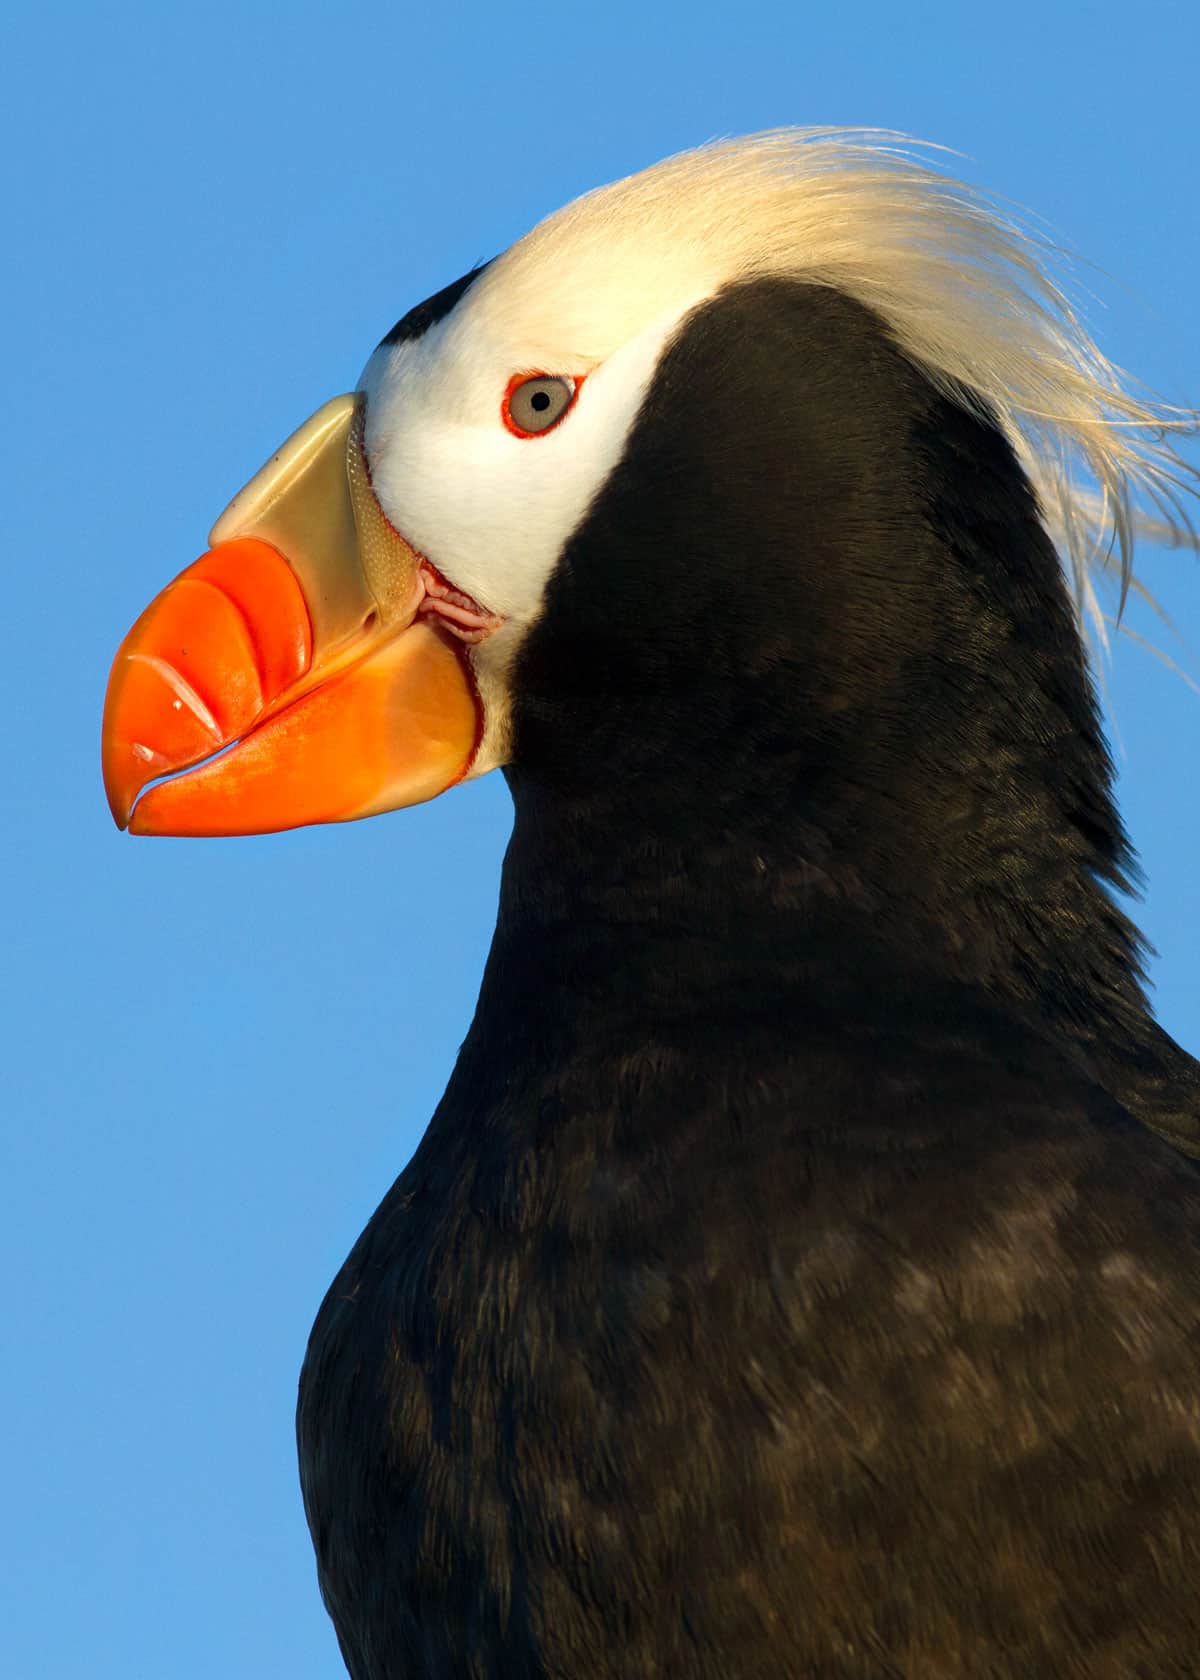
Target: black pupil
column 540, row 400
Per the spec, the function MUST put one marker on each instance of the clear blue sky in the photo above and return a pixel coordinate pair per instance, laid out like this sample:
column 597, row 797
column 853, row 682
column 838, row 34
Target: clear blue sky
column 217, row 1055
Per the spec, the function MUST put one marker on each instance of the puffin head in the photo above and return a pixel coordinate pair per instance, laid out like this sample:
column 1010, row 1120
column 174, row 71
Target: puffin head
column 669, row 481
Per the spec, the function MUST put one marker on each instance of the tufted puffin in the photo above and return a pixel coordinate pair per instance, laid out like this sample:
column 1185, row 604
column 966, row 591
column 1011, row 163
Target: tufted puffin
column 800, row 1276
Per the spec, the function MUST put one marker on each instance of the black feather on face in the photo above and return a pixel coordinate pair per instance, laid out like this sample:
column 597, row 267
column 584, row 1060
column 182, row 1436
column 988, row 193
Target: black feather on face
column 422, row 316
column 785, row 1285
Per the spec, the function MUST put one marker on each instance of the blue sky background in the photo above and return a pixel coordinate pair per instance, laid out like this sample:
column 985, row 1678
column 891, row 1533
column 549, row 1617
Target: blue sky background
column 217, row 1055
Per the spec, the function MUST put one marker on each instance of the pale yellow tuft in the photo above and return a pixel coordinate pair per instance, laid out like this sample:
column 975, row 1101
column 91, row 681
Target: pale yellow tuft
column 967, row 291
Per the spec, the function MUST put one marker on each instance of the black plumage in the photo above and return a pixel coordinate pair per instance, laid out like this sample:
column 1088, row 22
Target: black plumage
column 800, row 1276
column 418, row 320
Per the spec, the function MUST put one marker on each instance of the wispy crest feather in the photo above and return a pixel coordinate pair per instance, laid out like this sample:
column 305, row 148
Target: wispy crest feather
column 969, row 292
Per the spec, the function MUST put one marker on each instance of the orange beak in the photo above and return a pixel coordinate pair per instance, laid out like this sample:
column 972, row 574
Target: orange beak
column 294, row 644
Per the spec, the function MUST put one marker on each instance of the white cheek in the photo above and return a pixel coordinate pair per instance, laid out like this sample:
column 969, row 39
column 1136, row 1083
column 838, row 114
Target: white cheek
column 493, row 512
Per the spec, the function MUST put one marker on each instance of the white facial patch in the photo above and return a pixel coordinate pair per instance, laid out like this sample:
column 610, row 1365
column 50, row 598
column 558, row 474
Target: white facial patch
column 493, row 511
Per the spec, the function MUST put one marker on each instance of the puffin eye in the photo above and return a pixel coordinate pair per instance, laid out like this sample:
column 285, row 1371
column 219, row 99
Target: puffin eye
column 536, row 402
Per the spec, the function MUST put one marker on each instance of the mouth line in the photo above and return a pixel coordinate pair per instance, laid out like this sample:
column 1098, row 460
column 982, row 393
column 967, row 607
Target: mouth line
column 186, row 770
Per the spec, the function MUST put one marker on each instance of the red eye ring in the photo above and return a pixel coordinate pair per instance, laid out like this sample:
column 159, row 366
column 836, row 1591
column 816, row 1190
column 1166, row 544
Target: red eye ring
column 575, row 381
